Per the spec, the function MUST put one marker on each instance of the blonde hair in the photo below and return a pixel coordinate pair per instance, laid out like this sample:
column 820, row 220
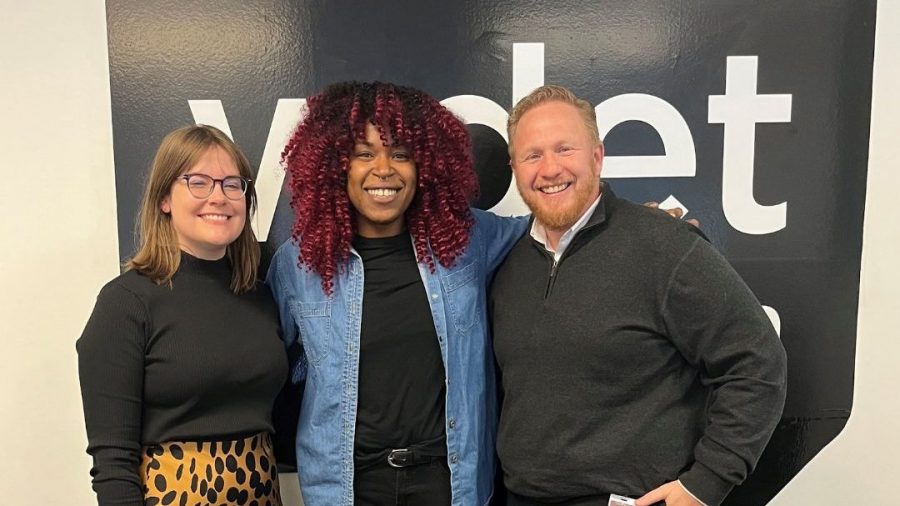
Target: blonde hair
column 158, row 255
column 552, row 93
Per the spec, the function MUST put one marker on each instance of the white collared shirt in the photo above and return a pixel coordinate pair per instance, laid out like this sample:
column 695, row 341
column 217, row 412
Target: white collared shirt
column 539, row 233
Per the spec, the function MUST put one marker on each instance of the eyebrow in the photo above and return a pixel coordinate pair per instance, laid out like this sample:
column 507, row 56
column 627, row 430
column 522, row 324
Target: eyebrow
column 395, row 147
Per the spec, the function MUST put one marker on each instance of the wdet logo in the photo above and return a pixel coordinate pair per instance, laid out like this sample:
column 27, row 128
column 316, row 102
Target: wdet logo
column 739, row 110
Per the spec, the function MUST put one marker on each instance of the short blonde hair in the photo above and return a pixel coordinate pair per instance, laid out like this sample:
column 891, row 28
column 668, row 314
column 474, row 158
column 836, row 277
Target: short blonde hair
column 159, row 255
column 552, row 93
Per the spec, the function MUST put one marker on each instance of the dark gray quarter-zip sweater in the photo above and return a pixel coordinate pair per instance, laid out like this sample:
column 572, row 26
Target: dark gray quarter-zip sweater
column 640, row 358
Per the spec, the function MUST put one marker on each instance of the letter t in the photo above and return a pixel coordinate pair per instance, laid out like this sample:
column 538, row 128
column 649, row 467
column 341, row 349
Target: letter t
column 740, row 109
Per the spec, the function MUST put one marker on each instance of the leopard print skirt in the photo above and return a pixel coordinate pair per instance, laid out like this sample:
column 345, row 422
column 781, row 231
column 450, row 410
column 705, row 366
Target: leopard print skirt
column 240, row 472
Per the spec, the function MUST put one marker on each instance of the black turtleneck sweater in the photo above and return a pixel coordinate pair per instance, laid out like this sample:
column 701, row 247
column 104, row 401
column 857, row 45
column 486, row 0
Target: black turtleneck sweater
column 193, row 361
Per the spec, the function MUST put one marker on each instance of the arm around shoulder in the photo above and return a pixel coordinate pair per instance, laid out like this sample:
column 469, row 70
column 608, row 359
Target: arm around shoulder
column 500, row 234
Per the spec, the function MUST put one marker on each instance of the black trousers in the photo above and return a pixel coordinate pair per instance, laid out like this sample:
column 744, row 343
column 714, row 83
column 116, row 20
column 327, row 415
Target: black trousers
column 425, row 484
column 594, row 500
column 517, row 500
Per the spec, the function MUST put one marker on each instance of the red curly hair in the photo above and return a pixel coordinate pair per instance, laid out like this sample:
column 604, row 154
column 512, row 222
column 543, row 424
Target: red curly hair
column 317, row 158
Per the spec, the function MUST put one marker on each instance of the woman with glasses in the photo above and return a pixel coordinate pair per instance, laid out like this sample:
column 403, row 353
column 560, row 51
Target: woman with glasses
column 181, row 359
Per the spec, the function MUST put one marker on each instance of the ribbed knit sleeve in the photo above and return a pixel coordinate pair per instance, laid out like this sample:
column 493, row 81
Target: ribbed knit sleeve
column 718, row 325
column 111, row 370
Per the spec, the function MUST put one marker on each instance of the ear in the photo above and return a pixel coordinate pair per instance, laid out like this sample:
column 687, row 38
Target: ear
column 166, row 205
column 598, row 158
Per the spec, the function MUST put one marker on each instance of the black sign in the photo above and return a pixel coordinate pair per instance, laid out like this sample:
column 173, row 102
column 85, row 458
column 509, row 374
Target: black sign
column 753, row 116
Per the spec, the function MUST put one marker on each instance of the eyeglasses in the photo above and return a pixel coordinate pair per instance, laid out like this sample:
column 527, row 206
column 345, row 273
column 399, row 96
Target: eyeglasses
column 201, row 186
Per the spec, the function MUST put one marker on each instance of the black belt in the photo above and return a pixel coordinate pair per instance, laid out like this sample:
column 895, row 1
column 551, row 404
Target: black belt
column 407, row 457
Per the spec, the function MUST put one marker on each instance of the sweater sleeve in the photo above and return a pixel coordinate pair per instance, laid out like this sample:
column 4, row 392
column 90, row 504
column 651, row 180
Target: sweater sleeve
column 111, row 371
column 719, row 327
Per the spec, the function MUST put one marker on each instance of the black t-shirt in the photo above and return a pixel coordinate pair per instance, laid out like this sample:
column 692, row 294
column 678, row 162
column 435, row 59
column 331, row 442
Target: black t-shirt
column 401, row 374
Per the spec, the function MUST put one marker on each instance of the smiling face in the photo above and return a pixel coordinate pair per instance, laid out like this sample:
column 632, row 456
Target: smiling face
column 556, row 163
column 381, row 184
column 205, row 227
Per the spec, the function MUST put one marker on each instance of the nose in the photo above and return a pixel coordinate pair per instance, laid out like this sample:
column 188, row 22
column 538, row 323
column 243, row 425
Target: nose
column 218, row 193
column 383, row 168
column 550, row 167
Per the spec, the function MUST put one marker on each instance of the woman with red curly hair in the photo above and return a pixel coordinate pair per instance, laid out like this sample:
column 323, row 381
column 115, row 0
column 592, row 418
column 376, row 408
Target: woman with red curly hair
column 382, row 291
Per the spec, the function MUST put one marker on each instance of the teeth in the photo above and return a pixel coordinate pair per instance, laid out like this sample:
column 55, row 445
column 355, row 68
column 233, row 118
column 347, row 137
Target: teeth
column 215, row 217
column 555, row 189
column 382, row 192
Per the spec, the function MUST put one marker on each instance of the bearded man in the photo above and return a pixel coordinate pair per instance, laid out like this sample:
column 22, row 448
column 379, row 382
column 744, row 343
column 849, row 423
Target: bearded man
column 634, row 360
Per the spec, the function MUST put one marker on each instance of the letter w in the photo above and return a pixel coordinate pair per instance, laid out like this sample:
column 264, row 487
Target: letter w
column 270, row 176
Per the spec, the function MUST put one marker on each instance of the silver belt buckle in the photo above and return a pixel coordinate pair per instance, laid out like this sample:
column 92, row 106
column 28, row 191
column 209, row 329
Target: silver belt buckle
column 390, row 458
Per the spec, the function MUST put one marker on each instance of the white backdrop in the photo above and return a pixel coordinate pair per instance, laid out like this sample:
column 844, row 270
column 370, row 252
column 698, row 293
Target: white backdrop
column 59, row 246
column 59, row 238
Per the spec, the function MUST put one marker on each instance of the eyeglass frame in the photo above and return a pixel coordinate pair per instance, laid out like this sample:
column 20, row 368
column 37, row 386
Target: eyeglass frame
column 245, row 180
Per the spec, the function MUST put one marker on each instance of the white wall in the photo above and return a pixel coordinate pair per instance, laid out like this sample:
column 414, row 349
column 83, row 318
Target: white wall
column 57, row 200
column 60, row 245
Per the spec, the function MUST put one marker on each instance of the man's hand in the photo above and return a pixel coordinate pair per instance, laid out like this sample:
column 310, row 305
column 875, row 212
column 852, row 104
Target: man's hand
column 675, row 212
column 671, row 494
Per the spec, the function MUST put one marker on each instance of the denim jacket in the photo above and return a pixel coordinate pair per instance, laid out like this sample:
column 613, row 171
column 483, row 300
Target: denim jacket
column 328, row 328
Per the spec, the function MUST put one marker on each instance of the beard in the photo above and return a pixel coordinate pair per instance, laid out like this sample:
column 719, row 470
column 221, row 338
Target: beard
column 560, row 217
